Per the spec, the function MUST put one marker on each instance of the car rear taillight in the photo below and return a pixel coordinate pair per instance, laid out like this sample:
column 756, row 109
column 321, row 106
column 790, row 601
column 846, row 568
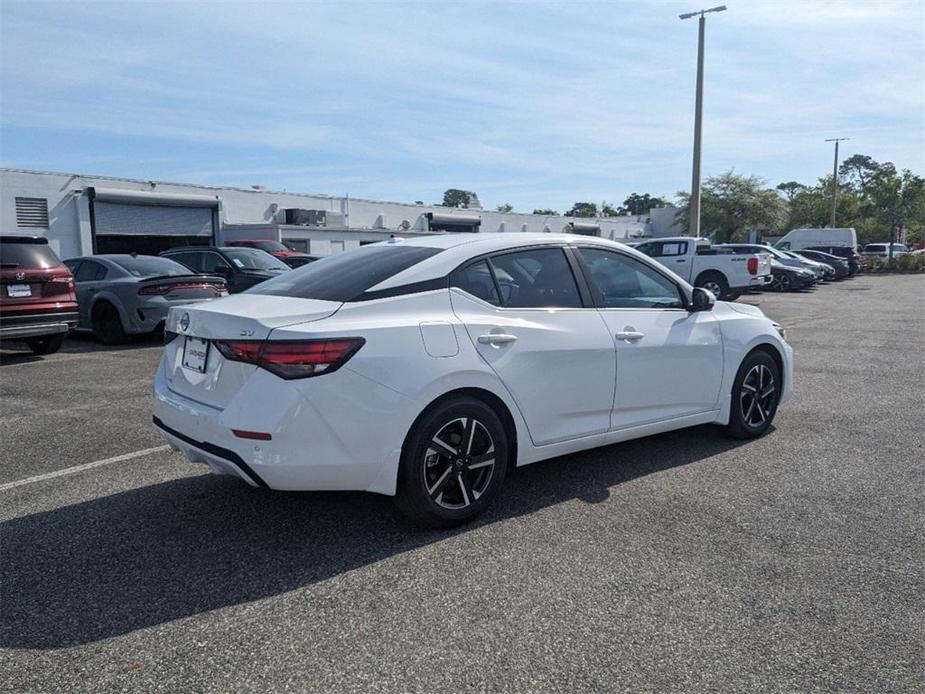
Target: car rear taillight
column 161, row 289
column 752, row 266
column 291, row 360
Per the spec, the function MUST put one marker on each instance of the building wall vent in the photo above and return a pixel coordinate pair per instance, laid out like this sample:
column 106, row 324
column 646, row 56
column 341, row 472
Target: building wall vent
column 32, row 213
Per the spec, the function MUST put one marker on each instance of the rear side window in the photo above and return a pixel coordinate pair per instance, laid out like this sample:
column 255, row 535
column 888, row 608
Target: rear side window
column 90, row 271
column 538, row 278
column 345, row 276
column 476, row 280
column 30, row 256
column 191, row 260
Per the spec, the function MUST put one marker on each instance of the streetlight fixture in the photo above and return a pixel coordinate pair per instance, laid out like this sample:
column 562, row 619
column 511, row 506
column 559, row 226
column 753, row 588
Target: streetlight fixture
column 694, row 228
column 836, row 140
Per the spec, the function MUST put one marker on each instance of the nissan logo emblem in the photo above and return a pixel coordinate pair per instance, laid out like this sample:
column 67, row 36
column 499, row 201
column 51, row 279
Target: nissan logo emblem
column 184, row 322
column 20, row 275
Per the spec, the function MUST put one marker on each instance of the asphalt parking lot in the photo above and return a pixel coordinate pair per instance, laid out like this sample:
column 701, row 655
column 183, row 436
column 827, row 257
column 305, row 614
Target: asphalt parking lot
column 685, row 561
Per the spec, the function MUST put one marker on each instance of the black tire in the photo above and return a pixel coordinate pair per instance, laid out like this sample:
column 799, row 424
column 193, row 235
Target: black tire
column 107, row 324
column 732, row 295
column 714, row 283
column 782, row 283
column 751, row 416
column 46, row 345
column 449, row 472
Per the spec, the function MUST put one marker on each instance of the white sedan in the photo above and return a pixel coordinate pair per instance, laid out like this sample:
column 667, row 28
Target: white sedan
column 424, row 368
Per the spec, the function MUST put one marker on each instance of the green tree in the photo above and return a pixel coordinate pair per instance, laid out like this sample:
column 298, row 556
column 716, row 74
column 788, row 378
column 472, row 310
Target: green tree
column 858, row 170
column 637, row 204
column 454, row 197
column 506, row 207
column 732, row 205
column 897, row 201
column 582, row 209
column 545, row 211
column 608, row 210
column 790, row 189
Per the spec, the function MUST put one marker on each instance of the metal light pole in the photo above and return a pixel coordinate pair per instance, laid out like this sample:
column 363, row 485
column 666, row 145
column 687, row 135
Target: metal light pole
column 836, row 140
column 694, row 228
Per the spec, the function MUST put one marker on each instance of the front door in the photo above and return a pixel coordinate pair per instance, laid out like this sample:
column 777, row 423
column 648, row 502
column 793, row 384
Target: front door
column 669, row 360
column 525, row 316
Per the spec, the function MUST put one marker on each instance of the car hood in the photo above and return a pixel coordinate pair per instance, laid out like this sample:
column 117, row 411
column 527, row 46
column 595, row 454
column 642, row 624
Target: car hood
column 747, row 309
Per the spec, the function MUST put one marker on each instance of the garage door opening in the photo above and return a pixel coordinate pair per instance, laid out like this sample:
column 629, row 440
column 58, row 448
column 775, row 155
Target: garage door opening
column 125, row 221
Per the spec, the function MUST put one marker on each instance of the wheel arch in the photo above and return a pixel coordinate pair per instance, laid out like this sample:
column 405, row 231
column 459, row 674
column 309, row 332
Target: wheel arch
column 773, row 352
column 115, row 302
column 712, row 272
column 489, row 398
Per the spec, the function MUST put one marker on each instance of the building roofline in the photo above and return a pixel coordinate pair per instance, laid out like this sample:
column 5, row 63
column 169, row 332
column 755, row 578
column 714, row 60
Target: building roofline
column 324, row 196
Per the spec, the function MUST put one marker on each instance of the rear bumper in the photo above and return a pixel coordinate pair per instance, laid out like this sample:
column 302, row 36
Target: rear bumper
column 342, row 432
column 760, row 280
column 36, row 325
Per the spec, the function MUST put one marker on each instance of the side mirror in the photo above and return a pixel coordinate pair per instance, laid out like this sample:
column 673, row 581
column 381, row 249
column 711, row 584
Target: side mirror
column 702, row 300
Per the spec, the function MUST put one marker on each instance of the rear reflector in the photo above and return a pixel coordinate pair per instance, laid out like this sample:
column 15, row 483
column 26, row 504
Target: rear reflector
column 256, row 435
column 752, row 266
column 290, row 360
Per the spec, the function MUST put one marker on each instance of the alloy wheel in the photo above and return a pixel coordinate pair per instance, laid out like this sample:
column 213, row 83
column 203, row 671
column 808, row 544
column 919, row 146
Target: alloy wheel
column 714, row 288
column 459, row 463
column 756, row 398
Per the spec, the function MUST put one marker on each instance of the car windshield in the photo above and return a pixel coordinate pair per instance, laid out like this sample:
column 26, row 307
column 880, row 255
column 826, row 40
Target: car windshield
column 875, row 247
column 254, row 259
column 150, row 266
column 36, row 256
column 345, row 276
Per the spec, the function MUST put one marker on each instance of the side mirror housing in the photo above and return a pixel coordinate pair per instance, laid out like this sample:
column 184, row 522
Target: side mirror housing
column 702, row 300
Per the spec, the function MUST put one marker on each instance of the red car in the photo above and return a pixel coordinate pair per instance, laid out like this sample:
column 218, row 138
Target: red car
column 277, row 250
column 38, row 305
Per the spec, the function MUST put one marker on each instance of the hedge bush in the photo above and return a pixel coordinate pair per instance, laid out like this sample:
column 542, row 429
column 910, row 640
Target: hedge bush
column 901, row 263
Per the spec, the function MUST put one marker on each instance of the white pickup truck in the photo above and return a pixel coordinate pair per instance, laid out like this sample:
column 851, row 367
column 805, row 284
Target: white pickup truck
column 724, row 273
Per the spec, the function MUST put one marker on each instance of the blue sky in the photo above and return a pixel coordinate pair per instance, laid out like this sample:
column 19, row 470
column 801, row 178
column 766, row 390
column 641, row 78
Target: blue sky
column 536, row 104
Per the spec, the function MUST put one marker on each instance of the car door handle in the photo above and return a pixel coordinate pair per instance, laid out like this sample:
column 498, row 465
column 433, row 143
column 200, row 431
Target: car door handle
column 497, row 339
column 629, row 335
column 680, row 260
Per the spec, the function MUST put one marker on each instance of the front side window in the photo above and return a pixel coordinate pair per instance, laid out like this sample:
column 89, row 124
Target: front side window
column 625, row 282
column 536, row 278
column 211, row 262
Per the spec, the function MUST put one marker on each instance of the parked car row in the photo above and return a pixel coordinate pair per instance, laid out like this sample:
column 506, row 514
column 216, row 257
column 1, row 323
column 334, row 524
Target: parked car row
column 116, row 295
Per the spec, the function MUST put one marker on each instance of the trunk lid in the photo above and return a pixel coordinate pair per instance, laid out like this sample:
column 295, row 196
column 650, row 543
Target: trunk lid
column 240, row 317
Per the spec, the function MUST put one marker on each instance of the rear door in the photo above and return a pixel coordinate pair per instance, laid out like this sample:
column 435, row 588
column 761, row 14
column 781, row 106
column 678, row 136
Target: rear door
column 669, row 360
column 88, row 279
column 528, row 320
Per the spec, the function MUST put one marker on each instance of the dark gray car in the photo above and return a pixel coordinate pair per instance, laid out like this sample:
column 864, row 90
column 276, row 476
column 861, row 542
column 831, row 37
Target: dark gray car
column 119, row 295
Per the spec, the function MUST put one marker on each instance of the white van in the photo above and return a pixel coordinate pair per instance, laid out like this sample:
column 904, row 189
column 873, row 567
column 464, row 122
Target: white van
column 798, row 239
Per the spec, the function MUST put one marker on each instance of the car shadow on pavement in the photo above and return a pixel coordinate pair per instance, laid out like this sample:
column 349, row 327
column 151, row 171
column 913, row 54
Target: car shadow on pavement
column 101, row 568
column 76, row 343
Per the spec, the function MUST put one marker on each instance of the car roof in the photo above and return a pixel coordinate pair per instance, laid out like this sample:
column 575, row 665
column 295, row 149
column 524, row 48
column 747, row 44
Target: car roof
column 460, row 247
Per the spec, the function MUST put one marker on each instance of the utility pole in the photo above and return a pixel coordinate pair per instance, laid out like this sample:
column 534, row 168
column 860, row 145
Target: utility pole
column 694, row 228
column 836, row 140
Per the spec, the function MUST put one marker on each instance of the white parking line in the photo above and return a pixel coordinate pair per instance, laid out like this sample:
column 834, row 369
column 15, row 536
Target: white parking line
column 81, row 468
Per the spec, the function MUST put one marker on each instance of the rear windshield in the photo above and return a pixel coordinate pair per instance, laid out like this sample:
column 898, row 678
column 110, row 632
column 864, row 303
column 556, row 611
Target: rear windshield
column 37, row 256
column 268, row 245
column 150, row 266
column 345, row 276
column 253, row 259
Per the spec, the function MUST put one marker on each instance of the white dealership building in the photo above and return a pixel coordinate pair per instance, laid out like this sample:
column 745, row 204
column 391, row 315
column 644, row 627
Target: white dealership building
column 83, row 215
